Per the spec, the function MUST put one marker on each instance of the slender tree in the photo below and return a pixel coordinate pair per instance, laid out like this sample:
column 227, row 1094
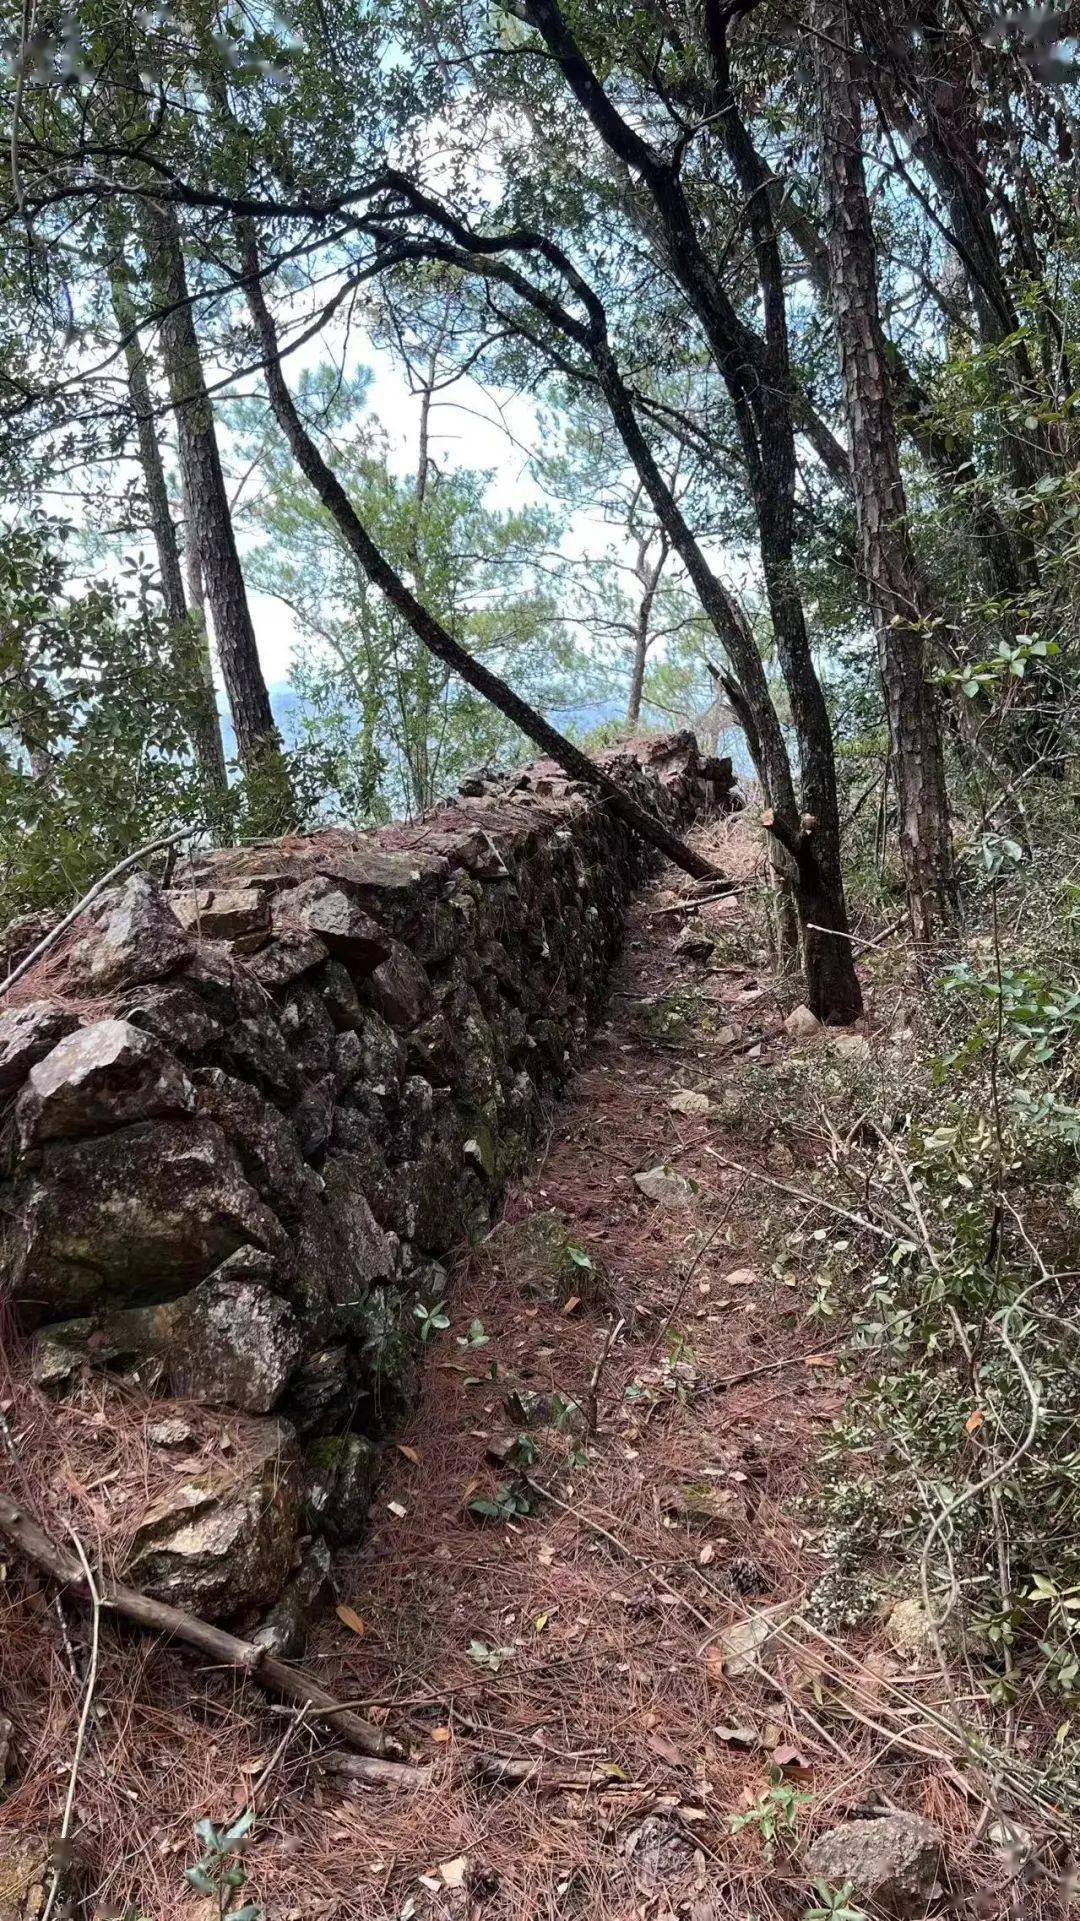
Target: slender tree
column 211, row 528
column 428, row 629
column 187, row 624
column 896, row 591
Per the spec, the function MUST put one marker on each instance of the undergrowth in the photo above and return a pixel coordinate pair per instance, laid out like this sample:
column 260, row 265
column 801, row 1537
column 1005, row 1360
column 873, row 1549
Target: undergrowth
column 940, row 1222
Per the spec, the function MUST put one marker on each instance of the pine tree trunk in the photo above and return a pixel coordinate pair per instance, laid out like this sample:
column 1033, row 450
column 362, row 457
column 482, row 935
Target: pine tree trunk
column 188, row 626
column 898, row 597
column 257, row 737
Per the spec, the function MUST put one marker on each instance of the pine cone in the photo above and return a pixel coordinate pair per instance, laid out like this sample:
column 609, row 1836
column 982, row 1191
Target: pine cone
column 745, row 1575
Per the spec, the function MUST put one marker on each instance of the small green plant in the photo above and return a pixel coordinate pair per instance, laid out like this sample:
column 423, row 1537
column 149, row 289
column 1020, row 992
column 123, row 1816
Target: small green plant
column 219, row 1871
column 833, row 1904
column 775, row 1815
column 489, row 1657
column 509, row 1504
column 476, row 1336
column 564, row 1412
column 432, row 1317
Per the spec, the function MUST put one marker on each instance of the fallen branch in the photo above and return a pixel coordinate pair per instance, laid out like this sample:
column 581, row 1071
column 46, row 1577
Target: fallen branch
column 800, row 1194
column 693, row 902
column 379, row 1774
column 84, row 1717
column 293, row 1684
column 486, row 1770
column 766, row 1367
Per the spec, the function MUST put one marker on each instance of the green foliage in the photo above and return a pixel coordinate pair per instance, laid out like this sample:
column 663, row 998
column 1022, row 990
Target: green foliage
column 834, row 1904
column 774, row 1815
column 475, row 1336
column 393, row 729
column 219, row 1872
column 96, row 703
column 432, row 1317
column 512, row 1502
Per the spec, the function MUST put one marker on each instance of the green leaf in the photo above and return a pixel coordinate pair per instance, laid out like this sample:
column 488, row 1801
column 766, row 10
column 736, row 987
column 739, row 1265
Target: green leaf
column 243, row 1825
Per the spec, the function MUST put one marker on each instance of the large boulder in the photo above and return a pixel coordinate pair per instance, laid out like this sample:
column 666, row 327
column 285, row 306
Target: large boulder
column 344, row 1240
column 138, row 1214
column 99, row 1077
column 891, row 1861
column 231, row 1342
column 224, row 1544
column 177, row 1014
column 128, row 935
column 237, row 914
column 287, row 959
column 26, row 1035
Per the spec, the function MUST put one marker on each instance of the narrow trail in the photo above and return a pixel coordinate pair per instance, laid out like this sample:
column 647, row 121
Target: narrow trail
column 612, row 1321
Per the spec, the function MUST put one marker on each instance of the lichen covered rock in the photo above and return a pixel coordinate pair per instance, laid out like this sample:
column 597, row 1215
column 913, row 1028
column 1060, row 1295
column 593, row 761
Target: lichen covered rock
column 234, row 1343
column 146, row 1210
column 27, row 1034
column 225, row 1544
column 340, row 1476
column 129, row 934
column 891, row 1861
column 98, row 1077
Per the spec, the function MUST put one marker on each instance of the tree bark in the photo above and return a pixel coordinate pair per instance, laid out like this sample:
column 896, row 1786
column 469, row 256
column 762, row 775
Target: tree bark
column 187, row 625
column 899, row 601
column 257, row 737
column 424, row 624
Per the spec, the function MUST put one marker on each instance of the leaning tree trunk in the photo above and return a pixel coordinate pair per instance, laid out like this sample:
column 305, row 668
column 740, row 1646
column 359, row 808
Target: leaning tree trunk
column 257, row 737
column 188, row 626
column 427, row 628
column 898, row 598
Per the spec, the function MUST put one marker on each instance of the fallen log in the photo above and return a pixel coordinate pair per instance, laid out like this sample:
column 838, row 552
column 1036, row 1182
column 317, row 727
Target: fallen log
column 30, row 1541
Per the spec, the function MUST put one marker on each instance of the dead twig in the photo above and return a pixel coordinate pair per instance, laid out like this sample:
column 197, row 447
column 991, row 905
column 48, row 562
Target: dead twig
column 766, row 1367
column 84, row 1717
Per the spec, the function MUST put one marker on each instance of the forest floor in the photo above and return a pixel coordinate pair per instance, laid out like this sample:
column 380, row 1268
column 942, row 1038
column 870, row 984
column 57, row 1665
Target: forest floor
column 630, row 1623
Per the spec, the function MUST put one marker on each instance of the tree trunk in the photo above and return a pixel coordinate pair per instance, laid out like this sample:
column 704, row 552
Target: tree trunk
column 784, row 918
column 758, row 378
column 257, row 737
column 898, row 597
column 188, row 627
column 649, row 580
column 435, row 637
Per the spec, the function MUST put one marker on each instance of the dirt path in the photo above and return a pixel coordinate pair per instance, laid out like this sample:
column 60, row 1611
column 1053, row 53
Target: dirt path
column 531, row 1635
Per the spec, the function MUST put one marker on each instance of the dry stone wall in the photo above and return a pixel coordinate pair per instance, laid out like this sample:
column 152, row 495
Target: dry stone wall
column 247, row 1117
